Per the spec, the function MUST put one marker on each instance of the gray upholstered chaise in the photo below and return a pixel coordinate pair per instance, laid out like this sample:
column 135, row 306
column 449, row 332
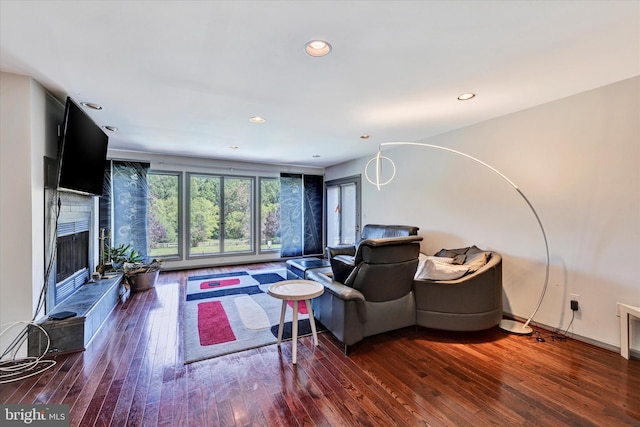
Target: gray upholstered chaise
column 373, row 290
column 470, row 303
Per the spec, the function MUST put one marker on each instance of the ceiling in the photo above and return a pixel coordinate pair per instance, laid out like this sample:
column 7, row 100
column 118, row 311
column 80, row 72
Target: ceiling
column 183, row 78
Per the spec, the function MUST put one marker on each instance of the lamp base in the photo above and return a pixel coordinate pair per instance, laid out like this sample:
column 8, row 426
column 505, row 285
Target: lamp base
column 515, row 327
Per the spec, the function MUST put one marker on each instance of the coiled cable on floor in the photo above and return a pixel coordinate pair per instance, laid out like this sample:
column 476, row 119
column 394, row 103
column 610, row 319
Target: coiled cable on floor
column 12, row 369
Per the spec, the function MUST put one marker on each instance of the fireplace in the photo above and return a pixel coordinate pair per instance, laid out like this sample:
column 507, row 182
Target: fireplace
column 72, row 257
column 75, row 247
column 71, row 254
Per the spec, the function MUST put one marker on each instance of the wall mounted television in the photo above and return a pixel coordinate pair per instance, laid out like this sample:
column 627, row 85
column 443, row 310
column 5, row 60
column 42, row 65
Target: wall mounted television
column 82, row 152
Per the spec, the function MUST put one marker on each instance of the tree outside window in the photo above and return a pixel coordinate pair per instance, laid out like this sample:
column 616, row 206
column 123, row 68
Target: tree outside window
column 269, row 214
column 213, row 196
column 163, row 214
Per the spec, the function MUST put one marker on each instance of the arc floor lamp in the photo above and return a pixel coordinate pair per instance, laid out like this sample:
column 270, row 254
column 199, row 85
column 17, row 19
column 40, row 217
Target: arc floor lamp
column 505, row 324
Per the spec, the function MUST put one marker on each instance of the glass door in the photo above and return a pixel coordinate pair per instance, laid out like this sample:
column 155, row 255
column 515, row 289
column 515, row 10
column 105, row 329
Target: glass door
column 343, row 211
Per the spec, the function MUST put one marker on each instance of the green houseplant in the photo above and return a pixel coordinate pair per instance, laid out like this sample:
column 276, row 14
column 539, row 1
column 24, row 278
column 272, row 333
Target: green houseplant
column 139, row 275
column 122, row 254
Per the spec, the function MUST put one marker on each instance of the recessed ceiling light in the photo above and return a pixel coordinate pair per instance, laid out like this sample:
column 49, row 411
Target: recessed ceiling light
column 257, row 119
column 91, row 105
column 365, row 136
column 317, row 48
column 110, row 128
column 466, row 96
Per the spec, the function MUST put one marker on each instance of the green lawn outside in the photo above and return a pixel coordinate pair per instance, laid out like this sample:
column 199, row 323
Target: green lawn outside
column 210, row 247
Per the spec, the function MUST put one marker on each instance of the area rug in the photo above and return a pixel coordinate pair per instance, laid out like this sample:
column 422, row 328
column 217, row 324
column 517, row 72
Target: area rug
column 230, row 312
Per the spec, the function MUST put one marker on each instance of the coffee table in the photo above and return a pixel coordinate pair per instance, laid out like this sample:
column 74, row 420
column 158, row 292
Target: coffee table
column 296, row 290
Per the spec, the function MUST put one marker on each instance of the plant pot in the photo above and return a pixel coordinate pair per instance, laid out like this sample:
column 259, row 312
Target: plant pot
column 142, row 281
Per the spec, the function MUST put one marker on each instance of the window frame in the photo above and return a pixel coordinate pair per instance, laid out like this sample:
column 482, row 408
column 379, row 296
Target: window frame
column 339, row 183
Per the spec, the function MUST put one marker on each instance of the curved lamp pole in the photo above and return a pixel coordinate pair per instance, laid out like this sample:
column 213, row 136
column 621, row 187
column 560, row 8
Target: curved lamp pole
column 507, row 325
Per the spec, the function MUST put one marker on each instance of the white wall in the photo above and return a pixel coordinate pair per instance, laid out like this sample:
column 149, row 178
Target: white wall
column 577, row 160
column 22, row 147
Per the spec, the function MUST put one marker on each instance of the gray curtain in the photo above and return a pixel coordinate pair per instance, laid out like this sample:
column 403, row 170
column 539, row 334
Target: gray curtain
column 129, row 197
column 301, row 214
column 312, row 216
column 104, row 202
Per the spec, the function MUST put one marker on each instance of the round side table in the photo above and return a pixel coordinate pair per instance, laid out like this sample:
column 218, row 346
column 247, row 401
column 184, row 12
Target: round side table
column 296, row 290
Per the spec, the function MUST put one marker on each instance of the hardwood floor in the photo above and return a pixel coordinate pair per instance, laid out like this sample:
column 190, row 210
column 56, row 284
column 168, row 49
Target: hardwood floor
column 133, row 374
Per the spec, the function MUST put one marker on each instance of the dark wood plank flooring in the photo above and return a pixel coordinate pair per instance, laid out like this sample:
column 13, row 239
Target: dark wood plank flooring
column 133, row 374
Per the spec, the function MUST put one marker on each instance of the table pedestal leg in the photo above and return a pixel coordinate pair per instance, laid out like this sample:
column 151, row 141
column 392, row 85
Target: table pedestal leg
column 294, row 327
column 282, row 311
column 312, row 321
column 627, row 314
column 624, row 335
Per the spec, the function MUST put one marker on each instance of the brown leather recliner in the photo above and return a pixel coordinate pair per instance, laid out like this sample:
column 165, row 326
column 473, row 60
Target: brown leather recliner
column 376, row 296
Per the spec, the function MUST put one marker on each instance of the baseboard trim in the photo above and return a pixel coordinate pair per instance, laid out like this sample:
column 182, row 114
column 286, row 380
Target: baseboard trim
column 633, row 353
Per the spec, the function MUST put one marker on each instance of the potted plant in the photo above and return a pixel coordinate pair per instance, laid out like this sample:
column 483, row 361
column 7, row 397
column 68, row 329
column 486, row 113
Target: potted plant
column 139, row 275
column 120, row 254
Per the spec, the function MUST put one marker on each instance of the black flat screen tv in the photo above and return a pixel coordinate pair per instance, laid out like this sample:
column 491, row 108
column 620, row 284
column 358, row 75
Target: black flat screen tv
column 82, row 153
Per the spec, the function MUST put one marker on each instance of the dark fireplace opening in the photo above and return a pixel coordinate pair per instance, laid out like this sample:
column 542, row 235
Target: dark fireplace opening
column 73, row 248
column 72, row 255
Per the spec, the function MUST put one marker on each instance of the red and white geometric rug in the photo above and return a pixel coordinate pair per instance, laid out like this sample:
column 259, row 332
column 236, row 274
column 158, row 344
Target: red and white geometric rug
column 230, row 312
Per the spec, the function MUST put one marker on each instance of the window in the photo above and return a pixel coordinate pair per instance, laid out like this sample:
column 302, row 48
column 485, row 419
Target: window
column 269, row 214
column 189, row 215
column 204, row 215
column 163, row 228
column 343, row 211
column 220, row 214
column 238, row 219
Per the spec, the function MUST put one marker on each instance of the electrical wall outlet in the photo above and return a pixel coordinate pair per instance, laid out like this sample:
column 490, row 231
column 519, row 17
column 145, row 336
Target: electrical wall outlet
column 574, row 302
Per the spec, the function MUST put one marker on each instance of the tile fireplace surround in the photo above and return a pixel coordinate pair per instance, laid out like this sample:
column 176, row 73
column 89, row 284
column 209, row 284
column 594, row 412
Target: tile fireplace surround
column 76, row 214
